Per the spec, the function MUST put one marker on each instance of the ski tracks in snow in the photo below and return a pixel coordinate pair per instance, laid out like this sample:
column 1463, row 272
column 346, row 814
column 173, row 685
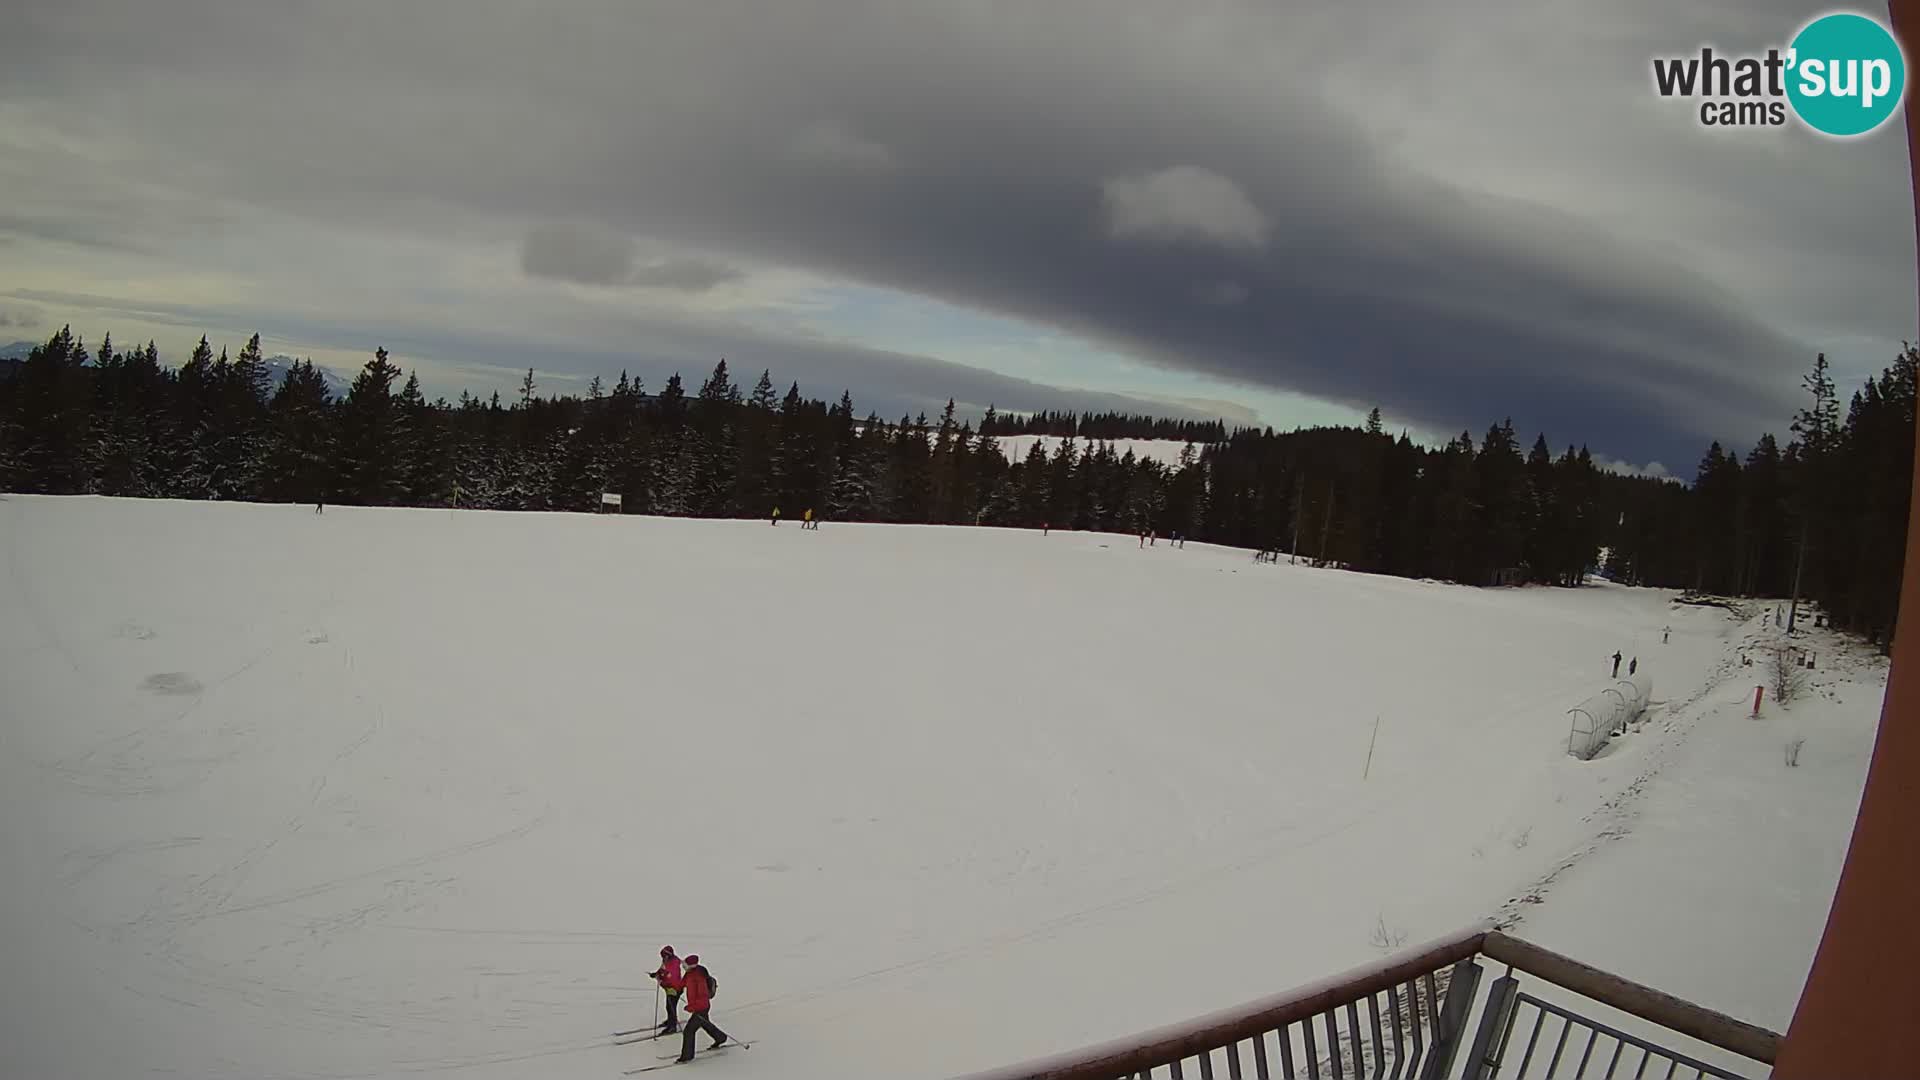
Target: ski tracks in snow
column 1276, row 844
column 168, row 755
column 42, row 619
column 1616, row 815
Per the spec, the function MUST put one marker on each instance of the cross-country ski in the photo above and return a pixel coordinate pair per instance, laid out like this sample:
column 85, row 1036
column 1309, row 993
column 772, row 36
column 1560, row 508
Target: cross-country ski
column 670, row 1060
column 713, row 1049
column 630, row 1040
column 670, row 1063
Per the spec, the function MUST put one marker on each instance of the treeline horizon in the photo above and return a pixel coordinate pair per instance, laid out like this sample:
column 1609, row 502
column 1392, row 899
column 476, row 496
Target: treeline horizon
column 1106, row 426
column 1828, row 506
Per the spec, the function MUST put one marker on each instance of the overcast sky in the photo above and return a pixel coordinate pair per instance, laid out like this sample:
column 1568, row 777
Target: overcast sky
column 1457, row 212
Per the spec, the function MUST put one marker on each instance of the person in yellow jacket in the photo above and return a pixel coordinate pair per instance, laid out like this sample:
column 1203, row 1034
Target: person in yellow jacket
column 806, row 522
column 776, row 516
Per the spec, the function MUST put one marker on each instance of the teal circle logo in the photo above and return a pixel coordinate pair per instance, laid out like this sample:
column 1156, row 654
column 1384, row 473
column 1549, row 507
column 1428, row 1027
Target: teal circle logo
column 1846, row 75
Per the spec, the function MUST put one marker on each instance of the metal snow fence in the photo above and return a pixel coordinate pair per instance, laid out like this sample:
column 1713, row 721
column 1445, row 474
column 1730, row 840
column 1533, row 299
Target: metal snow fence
column 1600, row 717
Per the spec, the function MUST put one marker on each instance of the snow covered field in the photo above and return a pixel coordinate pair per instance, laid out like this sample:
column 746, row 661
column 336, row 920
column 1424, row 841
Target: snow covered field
column 1164, row 451
column 389, row 793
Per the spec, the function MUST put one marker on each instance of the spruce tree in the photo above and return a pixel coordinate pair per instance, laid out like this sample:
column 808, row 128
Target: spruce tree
column 795, row 477
column 301, row 449
column 943, row 473
column 864, row 448
column 131, row 422
column 712, row 444
column 1541, row 548
column 53, row 418
column 422, row 446
column 670, row 464
column 187, row 459
column 1500, row 493
column 1035, row 489
column 1818, row 428
column 756, row 486
column 235, row 432
column 252, row 381
column 369, row 469
column 1767, row 516
column 762, row 399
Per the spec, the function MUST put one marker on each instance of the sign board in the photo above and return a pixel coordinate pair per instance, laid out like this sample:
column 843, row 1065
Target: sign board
column 608, row 498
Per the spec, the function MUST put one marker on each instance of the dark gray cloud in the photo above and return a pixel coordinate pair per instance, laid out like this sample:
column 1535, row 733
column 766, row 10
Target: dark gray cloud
column 686, row 275
column 586, row 255
column 20, row 316
column 1456, row 218
column 888, row 382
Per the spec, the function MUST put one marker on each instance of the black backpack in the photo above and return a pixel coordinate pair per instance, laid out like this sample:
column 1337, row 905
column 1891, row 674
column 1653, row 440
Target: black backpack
column 713, row 984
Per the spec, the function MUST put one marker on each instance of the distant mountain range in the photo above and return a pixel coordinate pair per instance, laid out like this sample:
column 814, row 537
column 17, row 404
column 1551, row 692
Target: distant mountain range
column 12, row 353
column 279, row 365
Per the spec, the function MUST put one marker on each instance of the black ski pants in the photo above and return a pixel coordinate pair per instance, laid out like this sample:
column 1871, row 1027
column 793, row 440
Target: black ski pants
column 696, row 1021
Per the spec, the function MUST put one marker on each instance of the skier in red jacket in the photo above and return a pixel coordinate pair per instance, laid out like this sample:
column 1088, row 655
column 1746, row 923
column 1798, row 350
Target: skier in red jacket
column 699, row 1001
column 670, row 978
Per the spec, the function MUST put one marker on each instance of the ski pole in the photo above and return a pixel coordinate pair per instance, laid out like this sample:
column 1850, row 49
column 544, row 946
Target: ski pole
column 656, row 1005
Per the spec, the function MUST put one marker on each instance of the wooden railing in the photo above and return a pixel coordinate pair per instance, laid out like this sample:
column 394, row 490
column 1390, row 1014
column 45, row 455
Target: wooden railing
column 1409, row 1016
column 1653, row 1006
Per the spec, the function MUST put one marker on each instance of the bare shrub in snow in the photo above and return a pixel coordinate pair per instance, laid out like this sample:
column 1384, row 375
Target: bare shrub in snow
column 1793, row 751
column 1787, row 674
column 1384, row 939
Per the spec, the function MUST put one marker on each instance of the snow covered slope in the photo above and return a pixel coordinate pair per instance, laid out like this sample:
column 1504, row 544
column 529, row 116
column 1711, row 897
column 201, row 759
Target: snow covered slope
column 383, row 793
column 1165, row 451
column 279, row 366
column 1719, row 885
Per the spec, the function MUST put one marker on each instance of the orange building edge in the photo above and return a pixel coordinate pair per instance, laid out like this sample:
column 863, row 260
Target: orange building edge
column 1856, row 1014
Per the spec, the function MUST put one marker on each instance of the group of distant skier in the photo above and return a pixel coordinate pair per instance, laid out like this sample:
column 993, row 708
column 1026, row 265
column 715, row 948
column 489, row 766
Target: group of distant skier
column 1633, row 665
column 698, row 985
column 806, row 522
